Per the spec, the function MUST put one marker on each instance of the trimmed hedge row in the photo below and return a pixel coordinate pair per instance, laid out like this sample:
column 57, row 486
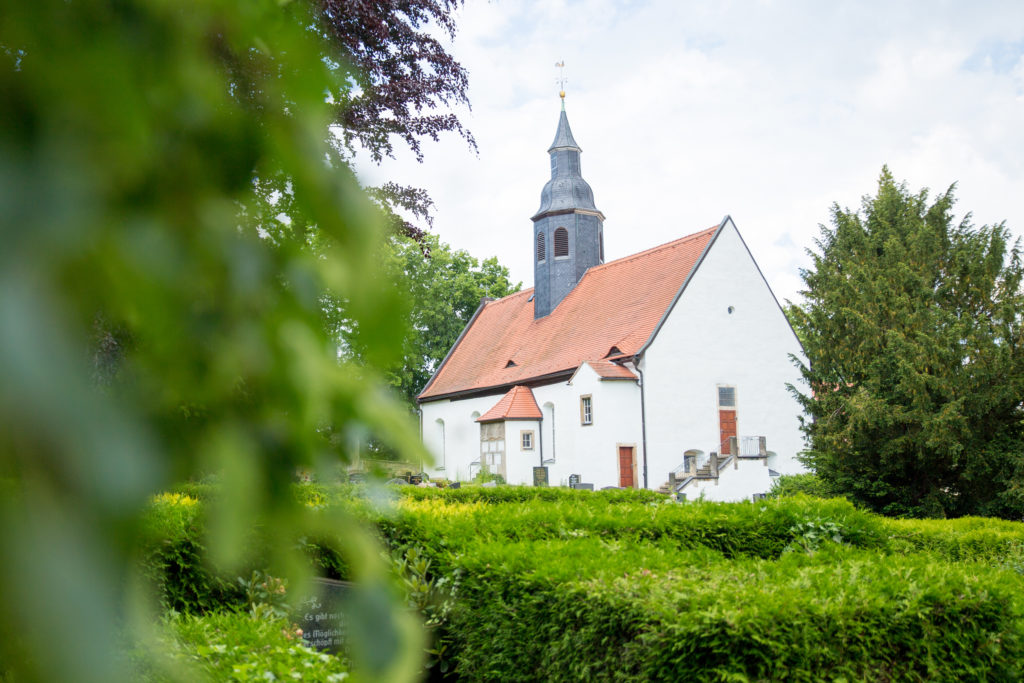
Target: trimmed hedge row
column 563, row 585
column 967, row 538
column 644, row 614
column 174, row 558
column 765, row 529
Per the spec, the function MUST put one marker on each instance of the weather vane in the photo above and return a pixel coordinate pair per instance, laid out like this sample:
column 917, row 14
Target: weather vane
column 561, row 80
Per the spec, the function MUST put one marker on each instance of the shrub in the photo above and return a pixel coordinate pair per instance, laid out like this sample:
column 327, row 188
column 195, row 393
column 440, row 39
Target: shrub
column 964, row 539
column 173, row 557
column 580, row 610
column 808, row 484
column 235, row 646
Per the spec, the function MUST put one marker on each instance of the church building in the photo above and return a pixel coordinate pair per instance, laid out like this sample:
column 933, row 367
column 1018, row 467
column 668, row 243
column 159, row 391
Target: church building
column 664, row 370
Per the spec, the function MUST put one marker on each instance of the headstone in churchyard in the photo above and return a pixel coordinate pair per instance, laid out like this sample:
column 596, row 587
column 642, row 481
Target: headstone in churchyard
column 489, row 484
column 356, row 477
column 574, row 479
column 321, row 616
column 584, row 487
column 540, row 476
column 398, row 481
column 416, row 479
column 455, row 485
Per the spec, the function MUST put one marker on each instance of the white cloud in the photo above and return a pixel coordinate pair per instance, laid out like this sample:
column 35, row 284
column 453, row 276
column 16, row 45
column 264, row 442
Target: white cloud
column 766, row 111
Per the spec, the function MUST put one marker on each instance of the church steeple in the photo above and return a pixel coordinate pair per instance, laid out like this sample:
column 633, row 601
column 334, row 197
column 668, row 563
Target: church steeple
column 567, row 228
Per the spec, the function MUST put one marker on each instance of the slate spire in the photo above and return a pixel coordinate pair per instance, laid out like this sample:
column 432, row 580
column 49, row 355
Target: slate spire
column 568, row 228
column 563, row 137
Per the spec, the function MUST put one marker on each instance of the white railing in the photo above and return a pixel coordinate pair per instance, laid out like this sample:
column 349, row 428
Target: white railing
column 753, row 446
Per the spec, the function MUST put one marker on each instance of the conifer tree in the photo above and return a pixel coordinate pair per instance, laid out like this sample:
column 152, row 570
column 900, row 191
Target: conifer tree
column 912, row 327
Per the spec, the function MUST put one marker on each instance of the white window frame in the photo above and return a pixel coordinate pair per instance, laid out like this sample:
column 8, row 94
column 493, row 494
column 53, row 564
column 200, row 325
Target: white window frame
column 527, row 435
column 586, row 410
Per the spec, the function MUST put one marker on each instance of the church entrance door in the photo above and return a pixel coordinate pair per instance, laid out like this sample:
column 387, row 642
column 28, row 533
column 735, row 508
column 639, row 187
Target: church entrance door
column 627, row 467
column 726, row 430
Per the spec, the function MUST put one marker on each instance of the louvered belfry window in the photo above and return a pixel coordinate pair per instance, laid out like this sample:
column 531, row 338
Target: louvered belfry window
column 541, row 247
column 561, row 242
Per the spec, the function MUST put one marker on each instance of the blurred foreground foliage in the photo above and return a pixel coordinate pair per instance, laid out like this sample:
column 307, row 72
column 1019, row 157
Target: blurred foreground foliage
column 149, row 334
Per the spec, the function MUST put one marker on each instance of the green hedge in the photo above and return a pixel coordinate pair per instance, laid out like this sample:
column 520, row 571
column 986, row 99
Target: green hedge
column 963, row 539
column 574, row 610
column 764, row 529
column 174, row 558
column 553, row 584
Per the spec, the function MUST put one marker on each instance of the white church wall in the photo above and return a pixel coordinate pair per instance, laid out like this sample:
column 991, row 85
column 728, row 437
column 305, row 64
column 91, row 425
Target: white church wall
column 567, row 446
column 519, row 462
column 458, row 444
column 594, row 453
column 726, row 329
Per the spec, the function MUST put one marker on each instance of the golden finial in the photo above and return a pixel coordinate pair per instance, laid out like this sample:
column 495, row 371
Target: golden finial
column 561, row 80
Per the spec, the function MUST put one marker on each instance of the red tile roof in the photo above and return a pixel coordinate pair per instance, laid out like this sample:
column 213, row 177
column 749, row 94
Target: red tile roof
column 606, row 369
column 517, row 404
column 616, row 304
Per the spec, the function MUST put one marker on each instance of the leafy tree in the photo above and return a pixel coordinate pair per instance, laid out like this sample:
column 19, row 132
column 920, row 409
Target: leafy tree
column 912, row 328
column 444, row 288
column 393, row 72
column 148, row 333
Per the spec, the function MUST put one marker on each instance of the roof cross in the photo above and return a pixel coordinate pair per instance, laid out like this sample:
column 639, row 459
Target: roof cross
column 561, row 80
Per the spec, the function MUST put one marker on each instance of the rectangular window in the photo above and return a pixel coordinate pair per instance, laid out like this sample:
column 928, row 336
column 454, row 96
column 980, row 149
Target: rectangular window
column 726, row 397
column 527, row 440
column 586, row 411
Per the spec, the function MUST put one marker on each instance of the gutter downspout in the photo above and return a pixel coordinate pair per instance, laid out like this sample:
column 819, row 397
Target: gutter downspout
column 540, row 436
column 643, row 414
column 419, row 415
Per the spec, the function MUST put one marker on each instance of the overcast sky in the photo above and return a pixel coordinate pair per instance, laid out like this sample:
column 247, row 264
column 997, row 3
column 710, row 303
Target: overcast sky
column 765, row 111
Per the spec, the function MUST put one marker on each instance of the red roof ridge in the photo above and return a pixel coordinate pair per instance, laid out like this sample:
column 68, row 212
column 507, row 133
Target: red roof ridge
column 510, row 297
column 645, row 252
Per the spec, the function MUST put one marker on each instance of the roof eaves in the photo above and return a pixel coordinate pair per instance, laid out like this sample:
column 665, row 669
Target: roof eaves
column 536, row 381
column 682, row 288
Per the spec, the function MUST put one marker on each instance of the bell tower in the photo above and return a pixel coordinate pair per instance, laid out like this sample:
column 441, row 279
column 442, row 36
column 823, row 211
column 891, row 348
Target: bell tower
column 568, row 229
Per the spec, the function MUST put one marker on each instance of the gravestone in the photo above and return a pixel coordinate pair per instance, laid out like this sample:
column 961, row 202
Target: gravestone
column 584, row 487
column 356, row 477
column 455, row 485
column 321, row 616
column 416, row 479
column 540, row 476
column 574, row 479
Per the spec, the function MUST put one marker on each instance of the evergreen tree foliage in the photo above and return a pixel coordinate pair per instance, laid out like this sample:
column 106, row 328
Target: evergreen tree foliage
column 912, row 328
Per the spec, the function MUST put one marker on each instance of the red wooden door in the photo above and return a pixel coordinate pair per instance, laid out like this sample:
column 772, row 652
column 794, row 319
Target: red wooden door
column 626, row 479
column 727, row 428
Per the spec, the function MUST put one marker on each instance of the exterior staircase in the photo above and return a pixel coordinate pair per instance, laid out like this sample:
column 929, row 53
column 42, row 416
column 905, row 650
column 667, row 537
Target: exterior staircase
column 747, row 448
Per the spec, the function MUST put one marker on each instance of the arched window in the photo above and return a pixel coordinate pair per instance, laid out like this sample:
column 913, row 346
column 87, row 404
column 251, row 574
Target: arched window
column 439, row 428
column 561, row 242
column 541, row 249
column 549, row 415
